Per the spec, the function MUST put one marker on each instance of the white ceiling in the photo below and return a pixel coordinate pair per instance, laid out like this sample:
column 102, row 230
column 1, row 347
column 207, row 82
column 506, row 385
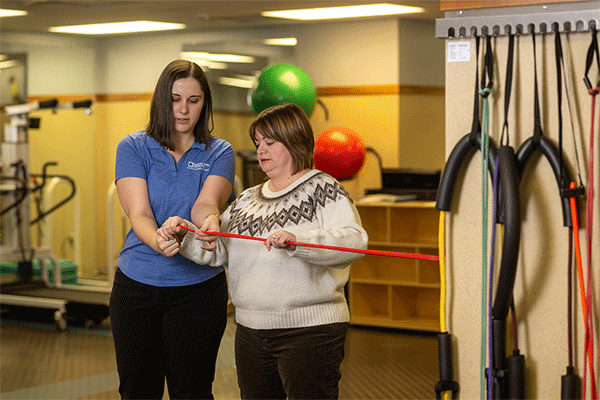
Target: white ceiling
column 197, row 15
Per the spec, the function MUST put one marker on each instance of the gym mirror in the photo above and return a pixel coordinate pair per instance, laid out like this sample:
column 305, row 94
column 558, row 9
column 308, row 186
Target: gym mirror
column 13, row 77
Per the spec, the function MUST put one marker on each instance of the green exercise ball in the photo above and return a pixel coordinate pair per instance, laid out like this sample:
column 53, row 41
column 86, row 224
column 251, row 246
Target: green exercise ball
column 281, row 84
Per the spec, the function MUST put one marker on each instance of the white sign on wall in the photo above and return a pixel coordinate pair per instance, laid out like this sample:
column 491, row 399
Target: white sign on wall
column 459, row 51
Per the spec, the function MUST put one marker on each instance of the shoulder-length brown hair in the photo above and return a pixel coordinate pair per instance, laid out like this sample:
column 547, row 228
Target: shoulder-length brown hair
column 289, row 125
column 161, row 126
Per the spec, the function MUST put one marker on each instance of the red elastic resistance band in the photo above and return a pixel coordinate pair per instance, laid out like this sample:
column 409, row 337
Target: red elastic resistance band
column 415, row 256
column 589, row 328
column 584, row 303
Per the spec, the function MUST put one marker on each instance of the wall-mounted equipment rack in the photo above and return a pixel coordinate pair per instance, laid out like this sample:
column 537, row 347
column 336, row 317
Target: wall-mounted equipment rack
column 499, row 21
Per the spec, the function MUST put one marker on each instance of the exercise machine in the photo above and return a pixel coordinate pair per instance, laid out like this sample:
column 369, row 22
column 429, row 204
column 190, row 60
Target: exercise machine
column 17, row 184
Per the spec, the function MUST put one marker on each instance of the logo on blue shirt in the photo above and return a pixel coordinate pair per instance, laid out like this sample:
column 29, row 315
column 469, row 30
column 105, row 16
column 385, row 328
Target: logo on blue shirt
column 197, row 166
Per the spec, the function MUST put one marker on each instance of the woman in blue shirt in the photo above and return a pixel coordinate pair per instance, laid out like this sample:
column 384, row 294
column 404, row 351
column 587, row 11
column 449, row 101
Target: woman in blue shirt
column 168, row 314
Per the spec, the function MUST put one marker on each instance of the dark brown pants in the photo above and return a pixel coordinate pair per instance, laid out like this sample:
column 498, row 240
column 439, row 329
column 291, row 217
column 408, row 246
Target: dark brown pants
column 300, row 363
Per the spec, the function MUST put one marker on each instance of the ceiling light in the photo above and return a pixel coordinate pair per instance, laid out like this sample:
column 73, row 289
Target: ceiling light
column 292, row 41
column 368, row 10
column 237, row 82
column 204, row 62
column 117, row 27
column 8, row 64
column 11, row 13
column 233, row 58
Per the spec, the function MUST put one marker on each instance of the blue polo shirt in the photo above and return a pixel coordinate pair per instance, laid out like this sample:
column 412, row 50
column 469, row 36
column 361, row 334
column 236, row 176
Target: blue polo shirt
column 172, row 190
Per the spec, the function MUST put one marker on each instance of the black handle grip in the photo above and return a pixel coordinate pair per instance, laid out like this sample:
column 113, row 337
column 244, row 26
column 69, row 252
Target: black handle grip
column 516, row 376
column 82, row 104
column 499, row 343
column 48, row 103
column 445, row 356
column 570, row 385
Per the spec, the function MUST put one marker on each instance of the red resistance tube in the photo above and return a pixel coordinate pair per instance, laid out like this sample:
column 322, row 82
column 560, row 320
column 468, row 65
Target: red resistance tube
column 426, row 257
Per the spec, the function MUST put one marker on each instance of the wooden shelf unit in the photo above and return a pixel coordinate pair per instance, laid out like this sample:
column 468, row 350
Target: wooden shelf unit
column 397, row 292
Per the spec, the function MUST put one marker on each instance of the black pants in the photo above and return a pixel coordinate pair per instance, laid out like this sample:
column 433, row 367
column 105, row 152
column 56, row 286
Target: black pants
column 300, row 363
column 172, row 332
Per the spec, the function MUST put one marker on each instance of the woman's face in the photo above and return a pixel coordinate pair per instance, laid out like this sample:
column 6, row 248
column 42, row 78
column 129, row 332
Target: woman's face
column 274, row 158
column 188, row 100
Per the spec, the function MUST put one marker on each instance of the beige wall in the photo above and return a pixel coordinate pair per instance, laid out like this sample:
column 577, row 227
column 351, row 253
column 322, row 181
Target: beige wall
column 421, row 119
column 72, row 130
column 540, row 290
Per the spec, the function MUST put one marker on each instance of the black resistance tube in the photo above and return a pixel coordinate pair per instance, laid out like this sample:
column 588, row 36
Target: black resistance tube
column 453, row 165
column 509, row 193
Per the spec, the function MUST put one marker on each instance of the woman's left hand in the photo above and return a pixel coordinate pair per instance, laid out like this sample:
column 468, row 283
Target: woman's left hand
column 211, row 224
column 279, row 240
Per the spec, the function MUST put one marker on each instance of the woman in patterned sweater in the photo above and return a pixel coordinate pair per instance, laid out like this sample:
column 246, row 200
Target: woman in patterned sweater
column 290, row 308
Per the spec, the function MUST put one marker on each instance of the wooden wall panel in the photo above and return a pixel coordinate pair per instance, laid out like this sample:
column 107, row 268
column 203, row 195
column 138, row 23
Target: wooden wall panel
column 448, row 5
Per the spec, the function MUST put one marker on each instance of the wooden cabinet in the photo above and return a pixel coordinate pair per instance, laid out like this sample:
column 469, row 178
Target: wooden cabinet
column 397, row 292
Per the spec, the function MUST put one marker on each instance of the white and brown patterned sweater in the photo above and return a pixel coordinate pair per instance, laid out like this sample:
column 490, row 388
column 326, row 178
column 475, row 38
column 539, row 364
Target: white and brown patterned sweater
column 282, row 288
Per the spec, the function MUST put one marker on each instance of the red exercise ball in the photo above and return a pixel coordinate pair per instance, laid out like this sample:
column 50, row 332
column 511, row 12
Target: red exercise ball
column 340, row 152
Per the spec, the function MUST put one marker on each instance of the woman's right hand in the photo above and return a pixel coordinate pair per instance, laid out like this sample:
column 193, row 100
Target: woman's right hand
column 170, row 235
